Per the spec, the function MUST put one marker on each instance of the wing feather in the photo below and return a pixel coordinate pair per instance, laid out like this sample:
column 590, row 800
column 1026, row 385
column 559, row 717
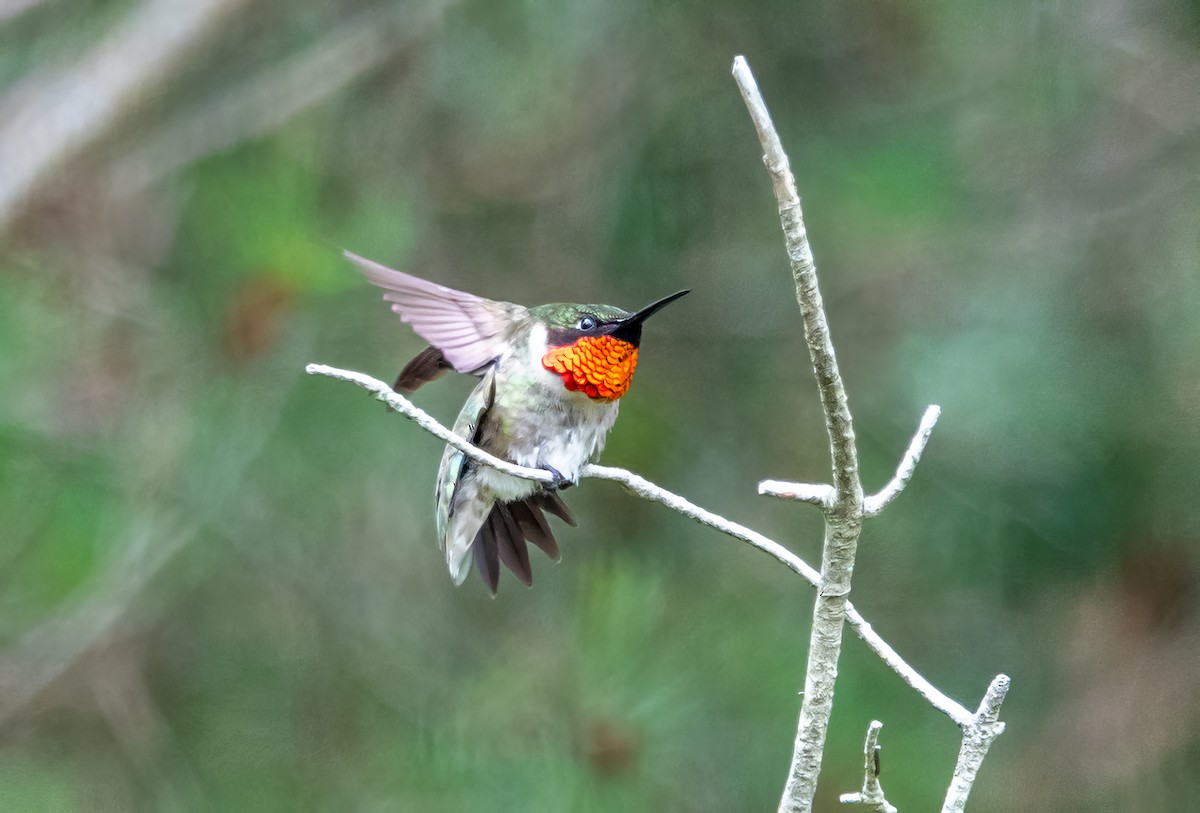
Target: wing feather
column 469, row 330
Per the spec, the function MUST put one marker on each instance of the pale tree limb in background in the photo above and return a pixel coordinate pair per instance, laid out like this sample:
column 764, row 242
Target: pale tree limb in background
column 871, row 796
column 11, row 9
column 48, row 650
column 847, row 508
column 278, row 94
column 155, row 539
column 51, row 117
column 647, row 490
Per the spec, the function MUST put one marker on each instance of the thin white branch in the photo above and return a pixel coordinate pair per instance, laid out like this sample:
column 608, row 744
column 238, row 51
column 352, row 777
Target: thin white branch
column 983, row 727
column 941, row 701
column 817, row 494
column 843, row 516
column 644, row 488
column 53, row 116
column 871, row 796
column 875, row 503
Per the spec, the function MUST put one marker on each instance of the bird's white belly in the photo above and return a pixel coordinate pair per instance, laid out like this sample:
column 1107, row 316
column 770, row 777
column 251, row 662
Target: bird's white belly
column 568, row 448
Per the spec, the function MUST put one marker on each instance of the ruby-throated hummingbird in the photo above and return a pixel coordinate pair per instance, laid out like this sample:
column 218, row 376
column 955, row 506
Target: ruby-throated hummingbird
column 551, row 377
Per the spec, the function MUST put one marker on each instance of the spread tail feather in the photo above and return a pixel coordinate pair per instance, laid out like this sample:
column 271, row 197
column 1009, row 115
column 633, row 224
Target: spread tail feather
column 550, row 501
column 503, row 535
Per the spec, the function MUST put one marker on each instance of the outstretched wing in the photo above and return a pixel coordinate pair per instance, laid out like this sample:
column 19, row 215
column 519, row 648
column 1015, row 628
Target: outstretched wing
column 469, row 330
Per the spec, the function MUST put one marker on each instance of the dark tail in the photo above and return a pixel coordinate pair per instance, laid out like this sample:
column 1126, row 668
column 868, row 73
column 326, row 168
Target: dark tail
column 509, row 526
column 429, row 364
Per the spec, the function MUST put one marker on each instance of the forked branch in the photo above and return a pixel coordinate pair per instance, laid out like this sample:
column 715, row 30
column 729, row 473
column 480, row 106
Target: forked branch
column 843, row 503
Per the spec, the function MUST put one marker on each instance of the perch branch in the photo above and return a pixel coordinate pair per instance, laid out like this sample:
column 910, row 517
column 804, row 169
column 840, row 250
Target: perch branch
column 843, row 515
column 871, row 796
column 978, row 733
column 423, row 419
column 643, row 488
column 875, row 503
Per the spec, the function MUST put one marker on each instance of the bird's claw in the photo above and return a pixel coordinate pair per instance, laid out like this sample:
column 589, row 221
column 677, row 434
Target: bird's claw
column 560, row 481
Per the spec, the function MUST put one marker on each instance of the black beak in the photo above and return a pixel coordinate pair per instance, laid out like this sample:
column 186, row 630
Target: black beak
column 629, row 329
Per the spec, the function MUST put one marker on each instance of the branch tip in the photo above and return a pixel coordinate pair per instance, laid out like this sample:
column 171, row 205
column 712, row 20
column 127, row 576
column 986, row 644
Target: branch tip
column 993, row 698
column 871, row 795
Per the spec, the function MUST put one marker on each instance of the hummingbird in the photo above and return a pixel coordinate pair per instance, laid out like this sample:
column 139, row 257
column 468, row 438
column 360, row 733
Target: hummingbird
column 550, row 379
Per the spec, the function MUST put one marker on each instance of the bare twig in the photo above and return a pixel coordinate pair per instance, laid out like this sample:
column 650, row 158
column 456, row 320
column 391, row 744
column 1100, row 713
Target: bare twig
column 644, row 488
column 50, row 118
column 871, row 796
column 843, row 515
column 875, row 503
column 983, row 727
column 818, row 494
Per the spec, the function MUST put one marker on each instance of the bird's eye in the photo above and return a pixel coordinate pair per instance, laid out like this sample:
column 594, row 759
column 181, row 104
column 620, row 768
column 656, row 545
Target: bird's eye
column 587, row 323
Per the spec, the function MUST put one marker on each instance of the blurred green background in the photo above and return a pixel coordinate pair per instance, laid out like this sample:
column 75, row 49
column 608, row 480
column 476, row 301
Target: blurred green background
column 219, row 588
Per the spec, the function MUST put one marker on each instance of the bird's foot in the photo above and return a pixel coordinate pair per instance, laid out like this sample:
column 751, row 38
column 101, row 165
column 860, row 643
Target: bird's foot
column 560, row 481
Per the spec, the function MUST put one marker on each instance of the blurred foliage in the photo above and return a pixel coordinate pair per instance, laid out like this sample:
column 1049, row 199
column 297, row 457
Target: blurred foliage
column 218, row 578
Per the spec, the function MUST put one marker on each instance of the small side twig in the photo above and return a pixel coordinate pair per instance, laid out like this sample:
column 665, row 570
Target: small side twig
column 822, row 495
column 818, row 494
column 871, row 796
column 983, row 727
column 875, row 503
